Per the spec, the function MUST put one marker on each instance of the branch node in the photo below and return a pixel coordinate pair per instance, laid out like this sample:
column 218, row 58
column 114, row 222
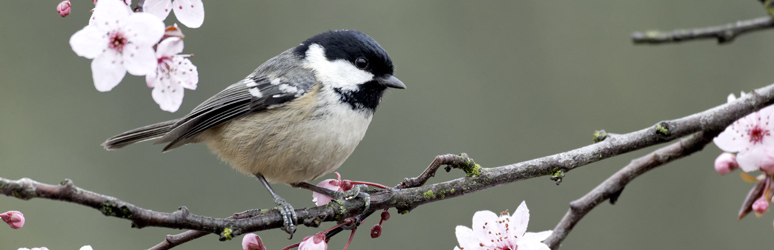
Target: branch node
column 557, row 175
column 111, row 208
column 614, row 196
column 663, row 129
column 67, row 183
column 600, row 135
column 182, row 211
column 226, row 234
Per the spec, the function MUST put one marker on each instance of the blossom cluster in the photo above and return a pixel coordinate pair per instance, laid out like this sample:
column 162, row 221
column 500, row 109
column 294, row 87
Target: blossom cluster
column 749, row 145
column 120, row 41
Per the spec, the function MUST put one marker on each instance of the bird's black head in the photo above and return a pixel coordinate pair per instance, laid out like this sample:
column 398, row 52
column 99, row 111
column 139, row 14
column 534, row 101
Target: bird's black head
column 353, row 64
column 351, row 45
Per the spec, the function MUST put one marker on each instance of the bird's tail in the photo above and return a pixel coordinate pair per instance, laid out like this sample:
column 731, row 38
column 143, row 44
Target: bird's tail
column 149, row 132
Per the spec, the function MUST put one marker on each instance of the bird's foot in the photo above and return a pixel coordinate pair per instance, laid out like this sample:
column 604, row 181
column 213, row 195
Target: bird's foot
column 288, row 215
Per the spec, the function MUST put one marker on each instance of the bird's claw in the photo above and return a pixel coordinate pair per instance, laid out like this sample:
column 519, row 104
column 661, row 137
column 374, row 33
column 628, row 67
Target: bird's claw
column 357, row 191
column 288, row 216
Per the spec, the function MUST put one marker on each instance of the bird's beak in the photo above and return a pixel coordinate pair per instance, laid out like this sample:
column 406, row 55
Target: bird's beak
column 391, row 81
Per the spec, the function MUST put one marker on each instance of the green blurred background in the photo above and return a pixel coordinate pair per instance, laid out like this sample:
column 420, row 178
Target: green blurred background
column 504, row 82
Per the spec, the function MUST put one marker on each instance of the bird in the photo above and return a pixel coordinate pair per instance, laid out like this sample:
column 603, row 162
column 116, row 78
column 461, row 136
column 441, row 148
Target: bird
column 296, row 117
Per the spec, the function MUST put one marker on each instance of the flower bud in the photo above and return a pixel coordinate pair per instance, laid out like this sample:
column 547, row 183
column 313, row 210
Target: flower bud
column 385, row 215
column 760, row 206
column 314, row 242
column 15, row 219
column 376, row 231
column 252, row 241
column 725, row 163
column 63, row 8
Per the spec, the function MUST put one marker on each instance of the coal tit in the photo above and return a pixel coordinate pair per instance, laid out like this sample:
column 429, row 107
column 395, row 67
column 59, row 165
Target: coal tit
column 297, row 117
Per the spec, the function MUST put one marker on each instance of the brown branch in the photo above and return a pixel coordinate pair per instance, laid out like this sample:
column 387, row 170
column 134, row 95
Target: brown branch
column 723, row 34
column 612, row 187
column 712, row 120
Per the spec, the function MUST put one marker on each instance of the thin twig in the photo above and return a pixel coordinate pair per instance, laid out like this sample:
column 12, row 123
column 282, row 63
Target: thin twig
column 452, row 160
column 174, row 240
column 612, row 187
column 723, row 34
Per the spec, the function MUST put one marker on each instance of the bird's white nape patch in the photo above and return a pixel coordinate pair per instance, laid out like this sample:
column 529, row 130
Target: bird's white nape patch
column 339, row 73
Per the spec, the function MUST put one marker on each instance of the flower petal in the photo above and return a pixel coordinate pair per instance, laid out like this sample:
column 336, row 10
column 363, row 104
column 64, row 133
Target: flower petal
column 189, row 12
column 766, row 163
column 158, row 8
column 733, row 138
column 151, row 79
column 468, row 239
column 168, row 95
column 485, row 225
column 169, row 47
column 185, row 72
column 519, row 221
column 109, row 15
column 107, row 70
column 321, row 199
column 139, row 60
column 531, row 245
column 89, row 42
column 539, row 236
column 749, row 160
column 143, row 29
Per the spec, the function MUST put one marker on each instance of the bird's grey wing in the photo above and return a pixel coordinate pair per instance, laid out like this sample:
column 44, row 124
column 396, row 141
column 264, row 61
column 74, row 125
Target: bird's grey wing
column 253, row 94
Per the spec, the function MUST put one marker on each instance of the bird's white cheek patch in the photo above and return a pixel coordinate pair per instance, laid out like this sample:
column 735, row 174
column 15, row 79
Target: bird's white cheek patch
column 339, row 73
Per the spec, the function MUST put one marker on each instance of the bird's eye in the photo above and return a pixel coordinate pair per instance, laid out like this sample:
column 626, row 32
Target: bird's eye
column 361, row 63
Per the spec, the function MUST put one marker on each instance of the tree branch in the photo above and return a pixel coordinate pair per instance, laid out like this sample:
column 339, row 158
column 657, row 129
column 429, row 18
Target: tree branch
column 612, row 187
column 723, row 34
column 712, row 121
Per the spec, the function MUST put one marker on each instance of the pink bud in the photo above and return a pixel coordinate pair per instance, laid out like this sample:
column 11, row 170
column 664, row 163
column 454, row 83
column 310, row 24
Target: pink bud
column 760, row 206
column 315, row 242
column 252, row 241
column 725, row 163
column 15, row 219
column 63, row 8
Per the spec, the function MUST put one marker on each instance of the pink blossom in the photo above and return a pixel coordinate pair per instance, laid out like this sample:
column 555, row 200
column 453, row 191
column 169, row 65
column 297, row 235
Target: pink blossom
column 63, row 8
column 252, row 241
column 750, row 137
column 501, row 232
column 173, row 73
column 119, row 41
column 315, row 242
column 15, row 219
column 331, row 184
column 189, row 12
column 725, row 163
column 34, row 248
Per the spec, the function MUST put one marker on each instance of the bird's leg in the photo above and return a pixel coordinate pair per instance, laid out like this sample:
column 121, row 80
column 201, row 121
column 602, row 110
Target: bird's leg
column 285, row 209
